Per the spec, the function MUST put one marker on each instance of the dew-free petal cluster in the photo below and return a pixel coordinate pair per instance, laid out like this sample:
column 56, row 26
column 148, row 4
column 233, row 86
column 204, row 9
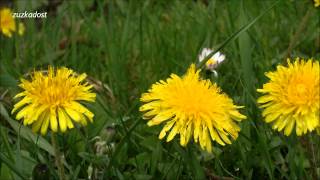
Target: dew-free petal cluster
column 190, row 106
column 53, row 99
column 291, row 97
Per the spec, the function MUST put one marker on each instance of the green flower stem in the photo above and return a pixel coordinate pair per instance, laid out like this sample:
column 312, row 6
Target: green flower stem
column 58, row 161
column 303, row 24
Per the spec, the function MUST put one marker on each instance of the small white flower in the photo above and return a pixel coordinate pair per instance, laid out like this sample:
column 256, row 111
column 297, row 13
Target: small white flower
column 214, row 61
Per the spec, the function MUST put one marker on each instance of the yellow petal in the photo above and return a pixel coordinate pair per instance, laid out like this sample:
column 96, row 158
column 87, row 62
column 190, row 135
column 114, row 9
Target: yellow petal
column 172, row 133
column 53, row 120
column 214, row 135
column 62, row 120
column 36, row 126
column 45, row 125
column 265, row 99
column 163, row 116
column 23, row 112
column 224, row 137
column 283, row 123
column 166, row 128
column 289, row 127
column 188, row 133
column 39, row 111
column 83, row 120
column 272, row 116
column 149, row 106
column 183, row 136
column 25, row 100
column 236, row 115
column 19, row 95
column 68, row 120
column 197, row 130
column 208, row 142
column 80, row 108
column 73, row 114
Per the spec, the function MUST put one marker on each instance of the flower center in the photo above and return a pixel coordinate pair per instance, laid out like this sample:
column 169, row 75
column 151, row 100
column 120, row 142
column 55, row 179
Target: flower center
column 6, row 22
column 211, row 63
column 298, row 93
column 56, row 93
column 192, row 100
column 301, row 89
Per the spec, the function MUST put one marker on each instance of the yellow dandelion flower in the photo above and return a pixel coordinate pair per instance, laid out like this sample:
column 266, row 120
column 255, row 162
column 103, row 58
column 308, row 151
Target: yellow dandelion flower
column 316, row 3
column 53, row 98
column 291, row 97
column 190, row 106
column 7, row 23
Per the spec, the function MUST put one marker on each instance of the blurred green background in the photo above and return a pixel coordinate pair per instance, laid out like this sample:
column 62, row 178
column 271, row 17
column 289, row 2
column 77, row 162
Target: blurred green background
column 127, row 45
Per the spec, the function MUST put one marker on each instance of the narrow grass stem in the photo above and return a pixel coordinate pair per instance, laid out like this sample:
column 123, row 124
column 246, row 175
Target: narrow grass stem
column 312, row 156
column 235, row 35
column 296, row 36
column 58, row 161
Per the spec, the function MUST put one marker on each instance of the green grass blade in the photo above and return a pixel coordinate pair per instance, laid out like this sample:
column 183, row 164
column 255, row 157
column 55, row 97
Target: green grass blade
column 235, row 35
column 26, row 133
column 8, row 162
column 5, row 138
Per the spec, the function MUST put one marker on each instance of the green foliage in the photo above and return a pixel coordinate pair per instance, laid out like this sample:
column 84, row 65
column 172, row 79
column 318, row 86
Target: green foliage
column 124, row 47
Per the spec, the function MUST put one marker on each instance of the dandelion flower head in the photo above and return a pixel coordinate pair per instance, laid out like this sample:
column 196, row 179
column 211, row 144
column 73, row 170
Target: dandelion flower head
column 190, row 106
column 53, row 98
column 8, row 24
column 291, row 97
column 316, row 3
